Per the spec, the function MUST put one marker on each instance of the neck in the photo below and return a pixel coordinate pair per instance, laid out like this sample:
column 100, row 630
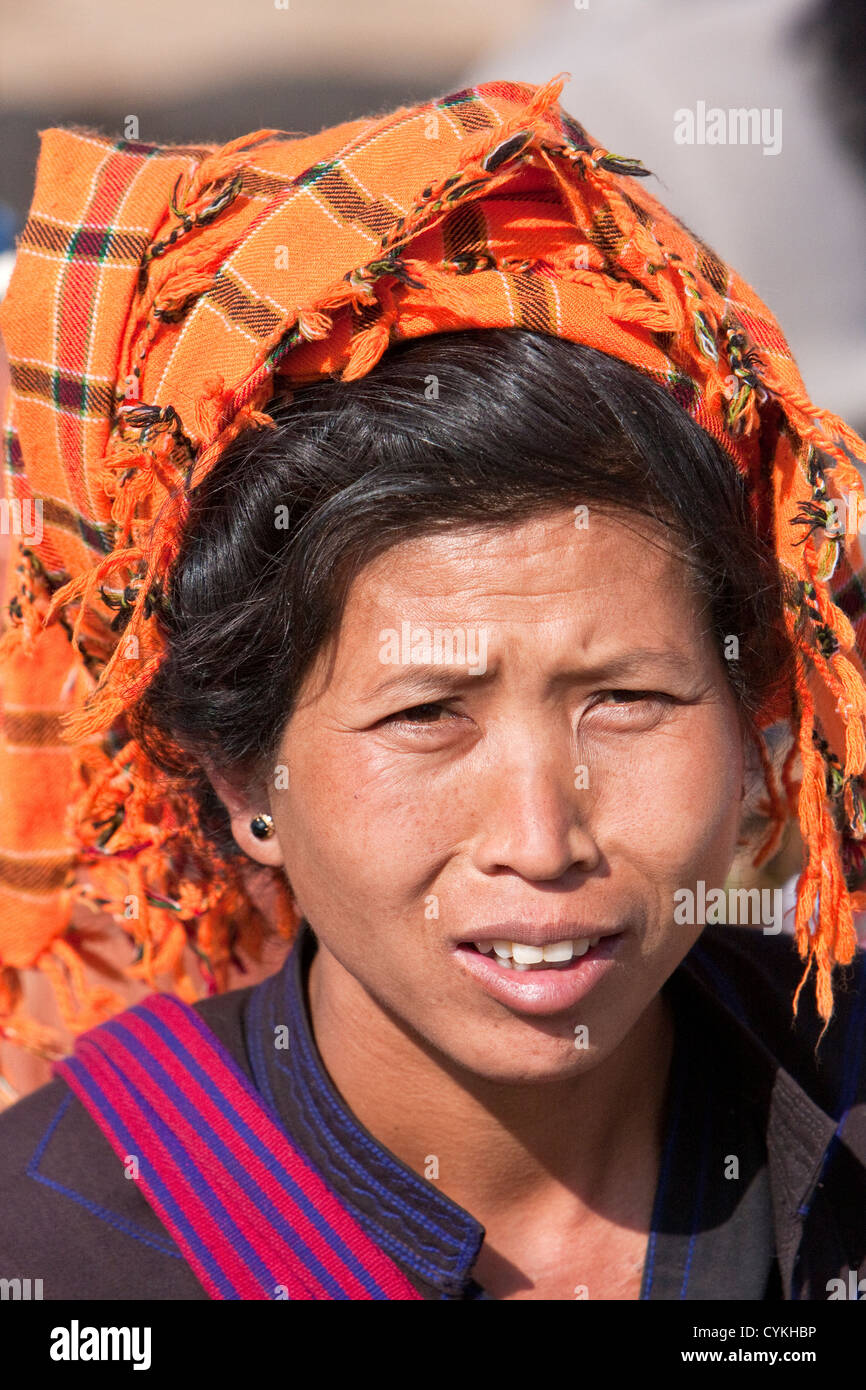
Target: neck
column 496, row 1145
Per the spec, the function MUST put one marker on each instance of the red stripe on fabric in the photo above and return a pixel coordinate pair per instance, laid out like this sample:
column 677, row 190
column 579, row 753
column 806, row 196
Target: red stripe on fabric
column 762, row 333
column 174, row 1014
column 77, row 308
column 101, row 1119
column 113, row 1087
column 117, row 174
column 273, row 1249
column 73, row 328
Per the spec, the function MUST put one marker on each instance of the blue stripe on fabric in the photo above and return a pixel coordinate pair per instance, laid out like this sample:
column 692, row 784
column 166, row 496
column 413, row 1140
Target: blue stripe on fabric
column 431, row 1272
column 255, row 1046
column 108, row 1112
column 258, row 1025
column 164, row 1246
column 190, row 1064
column 230, row 1160
column 187, row 1165
column 372, row 1226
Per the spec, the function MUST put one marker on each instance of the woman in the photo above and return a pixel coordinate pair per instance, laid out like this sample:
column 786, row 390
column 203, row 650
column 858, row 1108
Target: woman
column 438, row 512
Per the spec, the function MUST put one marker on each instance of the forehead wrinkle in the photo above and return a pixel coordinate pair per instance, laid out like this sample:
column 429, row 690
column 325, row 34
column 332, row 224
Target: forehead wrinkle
column 538, row 546
column 418, row 581
column 415, row 604
column 419, row 575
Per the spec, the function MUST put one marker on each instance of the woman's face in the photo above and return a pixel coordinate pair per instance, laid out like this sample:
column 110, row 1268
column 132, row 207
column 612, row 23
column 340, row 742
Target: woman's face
column 580, row 765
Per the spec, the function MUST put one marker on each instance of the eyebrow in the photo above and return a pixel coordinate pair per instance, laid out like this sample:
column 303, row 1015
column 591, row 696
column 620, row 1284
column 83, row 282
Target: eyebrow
column 426, row 677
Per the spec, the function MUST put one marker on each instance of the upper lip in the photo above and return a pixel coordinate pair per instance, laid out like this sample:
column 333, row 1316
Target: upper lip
column 543, row 934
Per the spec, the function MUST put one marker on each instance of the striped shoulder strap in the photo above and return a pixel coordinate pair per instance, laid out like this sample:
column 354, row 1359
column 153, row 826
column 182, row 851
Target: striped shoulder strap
column 253, row 1219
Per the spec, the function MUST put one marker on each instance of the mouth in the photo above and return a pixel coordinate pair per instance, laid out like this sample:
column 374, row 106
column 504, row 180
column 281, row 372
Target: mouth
column 541, row 979
column 520, row 955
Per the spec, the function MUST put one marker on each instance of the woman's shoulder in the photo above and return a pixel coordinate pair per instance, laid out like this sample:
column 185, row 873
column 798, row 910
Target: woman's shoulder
column 71, row 1215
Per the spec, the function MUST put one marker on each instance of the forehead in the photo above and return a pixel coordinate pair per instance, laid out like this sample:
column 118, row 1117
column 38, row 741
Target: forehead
column 575, row 567
column 540, row 600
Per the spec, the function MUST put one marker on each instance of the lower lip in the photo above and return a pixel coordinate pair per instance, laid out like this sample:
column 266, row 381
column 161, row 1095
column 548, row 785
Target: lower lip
column 541, row 991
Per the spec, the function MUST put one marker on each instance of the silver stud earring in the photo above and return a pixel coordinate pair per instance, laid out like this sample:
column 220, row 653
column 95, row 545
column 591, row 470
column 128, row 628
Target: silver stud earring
column 262, row 825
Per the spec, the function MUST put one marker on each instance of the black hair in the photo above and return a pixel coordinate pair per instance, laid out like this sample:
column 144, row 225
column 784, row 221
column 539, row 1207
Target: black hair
column 479, row 427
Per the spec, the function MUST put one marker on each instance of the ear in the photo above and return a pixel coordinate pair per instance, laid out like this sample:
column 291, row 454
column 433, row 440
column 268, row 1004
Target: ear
column 244, row 801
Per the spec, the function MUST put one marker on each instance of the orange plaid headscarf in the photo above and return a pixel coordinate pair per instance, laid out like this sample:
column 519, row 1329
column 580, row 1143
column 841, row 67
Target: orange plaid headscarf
column 160, row 296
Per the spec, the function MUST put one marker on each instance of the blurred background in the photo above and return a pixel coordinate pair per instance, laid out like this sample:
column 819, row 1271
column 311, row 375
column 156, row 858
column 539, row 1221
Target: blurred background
column 208, row 70
column 788, row 212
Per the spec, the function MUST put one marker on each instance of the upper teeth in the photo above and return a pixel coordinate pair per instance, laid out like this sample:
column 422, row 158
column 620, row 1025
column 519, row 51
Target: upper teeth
column 533, row 955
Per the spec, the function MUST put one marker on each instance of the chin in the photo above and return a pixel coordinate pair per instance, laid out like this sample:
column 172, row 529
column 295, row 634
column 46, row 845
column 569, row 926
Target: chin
column 532, row 1061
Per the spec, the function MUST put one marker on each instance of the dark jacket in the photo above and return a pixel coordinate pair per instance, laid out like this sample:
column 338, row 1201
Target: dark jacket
column 794, row 1120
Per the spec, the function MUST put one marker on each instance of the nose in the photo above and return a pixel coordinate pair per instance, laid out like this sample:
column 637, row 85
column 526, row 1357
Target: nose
column 534, row 821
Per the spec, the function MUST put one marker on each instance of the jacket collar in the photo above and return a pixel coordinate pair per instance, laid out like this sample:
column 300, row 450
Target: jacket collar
column 432, row 1238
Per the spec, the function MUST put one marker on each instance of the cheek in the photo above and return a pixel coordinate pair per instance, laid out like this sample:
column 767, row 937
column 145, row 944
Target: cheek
column 358, row 825
column 675, row 803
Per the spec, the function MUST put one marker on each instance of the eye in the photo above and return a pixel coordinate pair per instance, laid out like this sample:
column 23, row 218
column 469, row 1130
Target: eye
column 625, row 695
column 419, row 715
column 650, row 700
